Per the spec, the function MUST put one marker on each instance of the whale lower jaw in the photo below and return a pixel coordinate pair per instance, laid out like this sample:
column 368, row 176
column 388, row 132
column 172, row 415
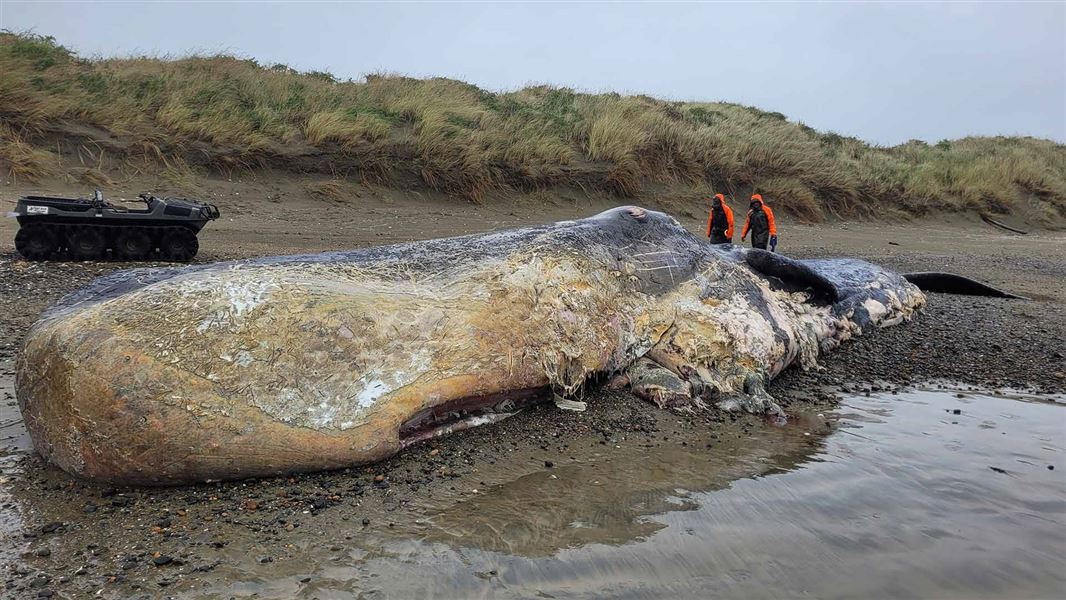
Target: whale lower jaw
column 464, row 413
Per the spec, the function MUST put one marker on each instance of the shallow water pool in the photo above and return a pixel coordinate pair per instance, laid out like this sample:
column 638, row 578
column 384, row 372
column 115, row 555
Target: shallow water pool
column 921, row 494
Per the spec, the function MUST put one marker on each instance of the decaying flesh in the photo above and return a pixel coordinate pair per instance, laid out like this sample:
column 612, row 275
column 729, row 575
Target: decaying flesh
column 257, row 367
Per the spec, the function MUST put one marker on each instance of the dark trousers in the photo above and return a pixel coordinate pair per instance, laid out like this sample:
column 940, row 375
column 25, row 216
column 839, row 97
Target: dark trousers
column 720, row 238
column 760, row 240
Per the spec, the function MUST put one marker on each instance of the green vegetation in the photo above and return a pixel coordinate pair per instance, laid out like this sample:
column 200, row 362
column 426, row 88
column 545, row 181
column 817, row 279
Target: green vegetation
column 224, row 112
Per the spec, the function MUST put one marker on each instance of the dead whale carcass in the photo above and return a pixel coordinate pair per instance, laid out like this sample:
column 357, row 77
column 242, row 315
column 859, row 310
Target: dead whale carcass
column 300, row 363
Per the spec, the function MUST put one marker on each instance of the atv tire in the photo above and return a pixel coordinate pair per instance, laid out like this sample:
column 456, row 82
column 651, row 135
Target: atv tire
column 179, row 246
column 87, row 243
column 36, row 242
column 133, row 245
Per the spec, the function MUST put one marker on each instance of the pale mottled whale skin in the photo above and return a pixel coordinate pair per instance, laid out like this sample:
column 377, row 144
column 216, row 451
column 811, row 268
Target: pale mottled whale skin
column 301, row 363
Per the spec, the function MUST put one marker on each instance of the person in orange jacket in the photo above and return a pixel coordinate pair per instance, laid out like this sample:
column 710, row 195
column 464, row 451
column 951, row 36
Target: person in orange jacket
column 720, row 221
column 760, row 223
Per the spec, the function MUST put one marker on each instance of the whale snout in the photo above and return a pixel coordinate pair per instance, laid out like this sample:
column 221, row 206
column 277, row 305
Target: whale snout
column 100, row 407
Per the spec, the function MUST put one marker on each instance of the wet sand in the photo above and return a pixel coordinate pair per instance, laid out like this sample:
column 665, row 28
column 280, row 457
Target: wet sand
column 887, row 495
column 482, row 514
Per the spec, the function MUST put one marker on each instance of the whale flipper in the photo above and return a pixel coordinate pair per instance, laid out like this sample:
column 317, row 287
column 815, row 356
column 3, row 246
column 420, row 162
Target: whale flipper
column 792, row 275
column 658, row 384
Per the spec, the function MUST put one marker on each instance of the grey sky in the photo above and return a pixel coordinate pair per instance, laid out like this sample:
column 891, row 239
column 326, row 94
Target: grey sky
column 884, row 72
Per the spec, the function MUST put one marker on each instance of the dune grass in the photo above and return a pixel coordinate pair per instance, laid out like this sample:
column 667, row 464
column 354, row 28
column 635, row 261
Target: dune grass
column 223, row 112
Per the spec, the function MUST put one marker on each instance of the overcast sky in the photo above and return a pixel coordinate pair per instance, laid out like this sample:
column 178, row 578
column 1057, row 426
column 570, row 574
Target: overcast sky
column 885, row 72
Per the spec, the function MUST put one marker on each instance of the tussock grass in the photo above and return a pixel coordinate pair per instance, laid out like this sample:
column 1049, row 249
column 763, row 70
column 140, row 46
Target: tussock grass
column 21, row 160
column 332, row 189
column 345, row 128
column 94, row 178
column 229, row 113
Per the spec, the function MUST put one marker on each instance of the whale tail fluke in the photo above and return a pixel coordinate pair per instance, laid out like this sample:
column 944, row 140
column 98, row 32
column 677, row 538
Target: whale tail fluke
column 950, row 283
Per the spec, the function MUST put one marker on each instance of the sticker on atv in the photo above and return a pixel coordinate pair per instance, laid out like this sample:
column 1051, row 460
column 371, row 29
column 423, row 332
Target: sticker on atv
column 36, row 210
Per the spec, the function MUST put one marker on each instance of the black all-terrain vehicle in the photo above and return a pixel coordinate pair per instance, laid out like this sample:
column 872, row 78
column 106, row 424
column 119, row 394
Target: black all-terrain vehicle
column 94, row 229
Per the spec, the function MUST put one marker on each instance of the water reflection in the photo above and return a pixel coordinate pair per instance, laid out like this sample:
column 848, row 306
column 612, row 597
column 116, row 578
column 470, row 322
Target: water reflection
column 606, row 498
column 918, row 495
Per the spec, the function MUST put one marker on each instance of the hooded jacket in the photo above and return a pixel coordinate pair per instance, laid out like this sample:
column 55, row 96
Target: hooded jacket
column 728, row 217
column 769, row 217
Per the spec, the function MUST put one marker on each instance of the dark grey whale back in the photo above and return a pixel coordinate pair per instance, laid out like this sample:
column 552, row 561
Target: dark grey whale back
column 668, row 253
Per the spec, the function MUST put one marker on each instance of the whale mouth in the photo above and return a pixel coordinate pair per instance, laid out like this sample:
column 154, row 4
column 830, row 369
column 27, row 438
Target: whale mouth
column 464, row 413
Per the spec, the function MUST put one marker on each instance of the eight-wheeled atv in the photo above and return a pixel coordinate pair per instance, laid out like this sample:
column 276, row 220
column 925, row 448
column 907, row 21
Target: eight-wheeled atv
column 94, row 229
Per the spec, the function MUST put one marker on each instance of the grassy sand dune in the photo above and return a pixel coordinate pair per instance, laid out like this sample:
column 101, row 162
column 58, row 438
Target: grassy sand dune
column 61, row 115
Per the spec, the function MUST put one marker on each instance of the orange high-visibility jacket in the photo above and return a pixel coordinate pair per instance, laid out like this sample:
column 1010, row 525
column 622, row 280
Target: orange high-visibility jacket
column 728, row 218
column 769, row 218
